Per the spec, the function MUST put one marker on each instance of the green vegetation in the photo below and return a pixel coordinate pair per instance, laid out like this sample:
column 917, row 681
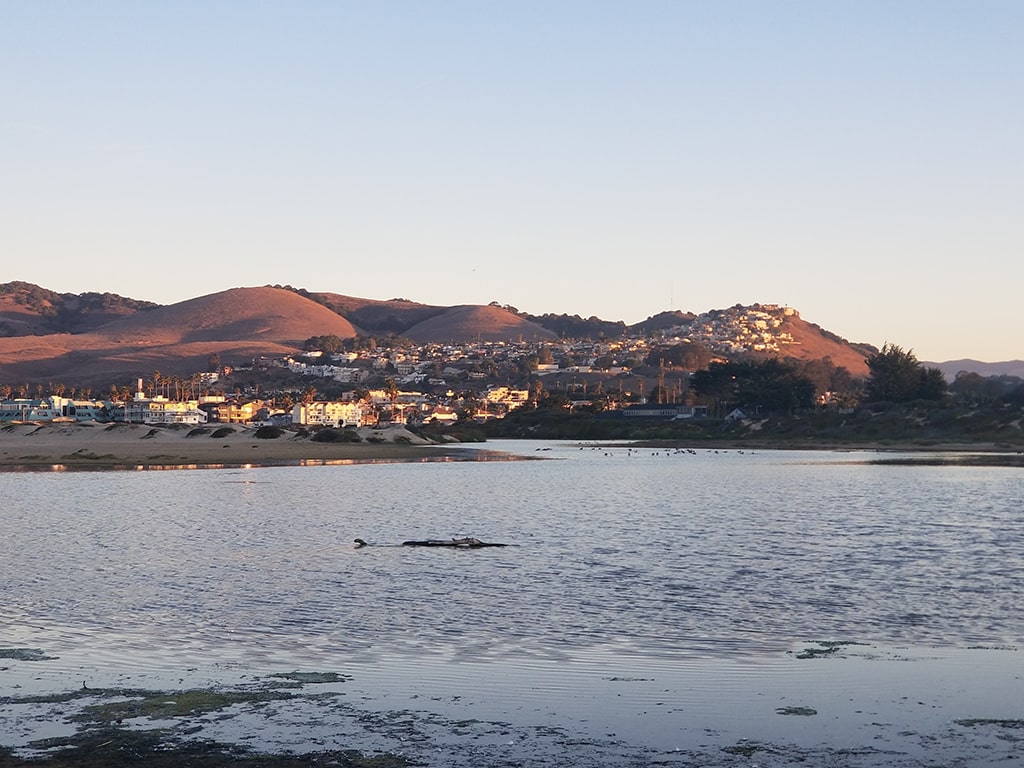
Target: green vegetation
column 825, row 648
column 797, row 711
column 770, row 386
column 897, row 376
column 269, row 433
column 332, row 435
column 25, row 654
column 90, row 456
column 161, row 705
column 916, row 424
column 313, row 677
column 977, row 721
column 122, row 728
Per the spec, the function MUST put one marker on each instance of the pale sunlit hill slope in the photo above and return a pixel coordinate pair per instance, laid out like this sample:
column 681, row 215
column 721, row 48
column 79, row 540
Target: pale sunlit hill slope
column 811, row 342
column 271, row 314
column 238, row 325
column 473, row 322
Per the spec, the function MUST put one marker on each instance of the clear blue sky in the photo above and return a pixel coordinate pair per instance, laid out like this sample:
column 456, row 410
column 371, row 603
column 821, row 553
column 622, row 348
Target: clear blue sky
column 860, row 161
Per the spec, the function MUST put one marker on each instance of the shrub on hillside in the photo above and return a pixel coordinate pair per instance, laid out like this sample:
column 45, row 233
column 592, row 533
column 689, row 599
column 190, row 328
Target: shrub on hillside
column 332, row 435
column 269, row 433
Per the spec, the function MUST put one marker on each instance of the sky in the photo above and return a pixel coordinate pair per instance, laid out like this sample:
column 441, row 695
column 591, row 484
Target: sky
column 862, row 161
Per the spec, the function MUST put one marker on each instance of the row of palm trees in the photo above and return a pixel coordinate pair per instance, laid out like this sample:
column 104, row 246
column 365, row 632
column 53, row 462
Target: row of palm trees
column 22, row 391
column 177, row 387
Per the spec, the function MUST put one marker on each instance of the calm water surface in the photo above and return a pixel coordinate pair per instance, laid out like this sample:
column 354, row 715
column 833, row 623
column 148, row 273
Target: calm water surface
column 654, row 562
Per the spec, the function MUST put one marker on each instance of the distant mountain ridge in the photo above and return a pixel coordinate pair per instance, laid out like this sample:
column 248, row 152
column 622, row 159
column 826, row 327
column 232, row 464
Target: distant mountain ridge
column 47, row 334
column 951, row 368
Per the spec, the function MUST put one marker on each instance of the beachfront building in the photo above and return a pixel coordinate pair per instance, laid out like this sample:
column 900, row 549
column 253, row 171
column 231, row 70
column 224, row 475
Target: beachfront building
column 53, row 408
column 330, row 413
column 160, row 410
column 231, row 411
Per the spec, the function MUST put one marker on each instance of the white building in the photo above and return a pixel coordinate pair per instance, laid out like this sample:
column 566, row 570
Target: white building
column 330, row 413
column 160, row 410
column 53, row 408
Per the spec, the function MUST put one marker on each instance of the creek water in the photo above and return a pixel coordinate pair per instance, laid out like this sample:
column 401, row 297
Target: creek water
column 650, row 602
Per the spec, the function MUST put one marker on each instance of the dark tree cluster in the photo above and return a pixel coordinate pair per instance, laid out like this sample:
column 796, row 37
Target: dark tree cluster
column 328, row 344
column 576, row 327
column 975, row 389
column 769, row 386
column 687, row 356
column 897, row 377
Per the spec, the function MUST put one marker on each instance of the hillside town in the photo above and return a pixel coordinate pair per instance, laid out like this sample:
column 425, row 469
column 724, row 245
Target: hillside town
column 374, row 383
column 732, row 364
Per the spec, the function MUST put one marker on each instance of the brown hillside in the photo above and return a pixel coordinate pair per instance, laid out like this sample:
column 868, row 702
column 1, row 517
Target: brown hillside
column 238, row 324
column 379, row 317
column 265, row 314
column 89, row 359
column 812, row 343
column 473, row 322
column 27, row 309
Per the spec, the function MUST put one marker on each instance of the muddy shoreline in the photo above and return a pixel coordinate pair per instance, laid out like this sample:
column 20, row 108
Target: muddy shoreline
column 327, row 717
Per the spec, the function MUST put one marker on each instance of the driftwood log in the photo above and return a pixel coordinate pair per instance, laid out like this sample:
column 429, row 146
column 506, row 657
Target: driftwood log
column 465, row 543
column 468, row 542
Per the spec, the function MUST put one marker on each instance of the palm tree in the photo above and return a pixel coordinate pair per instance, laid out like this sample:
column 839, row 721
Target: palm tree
column 392, row 391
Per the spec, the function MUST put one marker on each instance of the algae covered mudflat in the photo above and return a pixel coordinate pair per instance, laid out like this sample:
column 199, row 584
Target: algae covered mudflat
column 861, row 706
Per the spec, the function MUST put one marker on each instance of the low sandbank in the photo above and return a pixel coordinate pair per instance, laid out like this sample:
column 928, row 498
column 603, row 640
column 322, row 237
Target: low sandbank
column 83, row 445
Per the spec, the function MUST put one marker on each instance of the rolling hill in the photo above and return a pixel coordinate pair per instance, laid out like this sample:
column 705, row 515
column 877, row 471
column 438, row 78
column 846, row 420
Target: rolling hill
column 238, row 325
column 477, row 323
column 96, row 337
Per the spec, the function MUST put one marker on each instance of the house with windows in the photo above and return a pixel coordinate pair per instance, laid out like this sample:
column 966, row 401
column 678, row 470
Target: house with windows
column 53, row 408
column 160, row 410
column 330, row 413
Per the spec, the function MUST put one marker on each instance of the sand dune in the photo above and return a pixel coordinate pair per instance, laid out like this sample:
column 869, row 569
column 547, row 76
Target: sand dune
column 90, row 445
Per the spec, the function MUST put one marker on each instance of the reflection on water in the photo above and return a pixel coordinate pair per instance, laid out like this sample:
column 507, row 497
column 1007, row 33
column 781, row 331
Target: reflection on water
column 474, row 456
column 671, row 554
column 656, row 558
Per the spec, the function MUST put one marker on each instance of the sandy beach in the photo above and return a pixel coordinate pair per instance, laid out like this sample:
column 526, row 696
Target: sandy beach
column 85, row 444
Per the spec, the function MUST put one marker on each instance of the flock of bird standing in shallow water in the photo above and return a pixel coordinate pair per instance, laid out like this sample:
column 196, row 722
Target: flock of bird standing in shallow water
column 666, row 452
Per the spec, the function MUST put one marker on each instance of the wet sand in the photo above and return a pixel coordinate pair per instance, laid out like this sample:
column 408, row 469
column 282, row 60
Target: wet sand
column 85, row 444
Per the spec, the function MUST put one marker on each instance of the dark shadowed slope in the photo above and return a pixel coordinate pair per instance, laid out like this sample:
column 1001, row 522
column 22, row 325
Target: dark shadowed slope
column 393, row 316
column 477, row 323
